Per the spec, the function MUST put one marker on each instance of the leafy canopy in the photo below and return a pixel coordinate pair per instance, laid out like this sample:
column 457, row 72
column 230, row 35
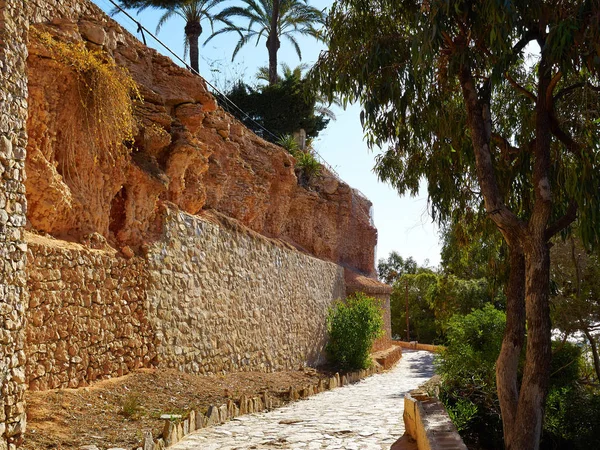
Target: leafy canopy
column 401, row 60
column 392, row 268
column 282, row 108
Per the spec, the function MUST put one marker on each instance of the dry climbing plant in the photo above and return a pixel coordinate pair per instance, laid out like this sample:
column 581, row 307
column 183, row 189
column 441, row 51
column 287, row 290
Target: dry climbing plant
column 105, row 116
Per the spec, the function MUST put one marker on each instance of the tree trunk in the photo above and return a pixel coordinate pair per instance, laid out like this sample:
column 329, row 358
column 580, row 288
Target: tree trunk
column 193, row 30
column 523, row 425
column 527, row 429
column 273, row 43
column 512, row 344
column 536, row 375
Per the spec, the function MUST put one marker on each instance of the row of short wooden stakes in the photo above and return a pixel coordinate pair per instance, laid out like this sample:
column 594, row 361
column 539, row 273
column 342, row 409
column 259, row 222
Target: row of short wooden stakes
column 176, row 427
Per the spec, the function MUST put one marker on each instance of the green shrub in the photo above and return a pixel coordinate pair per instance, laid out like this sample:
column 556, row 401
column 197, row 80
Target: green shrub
column 288, row 142
column 353, row 326
column 467, row 367
column 566, row 364
column 282, row 108
column 462, row 413
column 571, row 419
column 308, row 164
column 130, row 405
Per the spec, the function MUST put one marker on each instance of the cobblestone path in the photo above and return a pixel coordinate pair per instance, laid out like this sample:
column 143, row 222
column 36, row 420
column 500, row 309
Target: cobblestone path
column 366, row 415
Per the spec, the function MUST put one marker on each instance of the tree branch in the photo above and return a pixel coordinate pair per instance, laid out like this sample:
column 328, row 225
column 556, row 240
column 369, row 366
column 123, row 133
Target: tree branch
column 520, row 88
column 564, row 91
column 564, row 137
column 555, row 79
column 506, row 220
column 505, row 146
column 529, row 36
column 567, row 219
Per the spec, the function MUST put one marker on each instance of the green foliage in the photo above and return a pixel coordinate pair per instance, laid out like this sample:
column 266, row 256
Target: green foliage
column 473, row 345
column 566, row 364
column 462, row 413
column 571, row 418
column 467, row 367
column 451, row 295
column 288, row 142
column 575, row 298
column 308, row 165
column 142, row 4
column 472, row 248
column 353, row 326
column 392, row 268
column 433, row 298
column 421, row 316
column 281, row 108
column 403, row 63
column 130, row 405
column 193, row 12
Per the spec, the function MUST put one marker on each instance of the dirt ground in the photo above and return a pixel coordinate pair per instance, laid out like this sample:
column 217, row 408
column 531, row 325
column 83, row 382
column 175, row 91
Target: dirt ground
column 116, row 412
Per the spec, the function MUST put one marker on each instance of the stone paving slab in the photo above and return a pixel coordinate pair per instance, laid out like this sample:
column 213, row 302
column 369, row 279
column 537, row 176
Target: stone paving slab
column 363, row 416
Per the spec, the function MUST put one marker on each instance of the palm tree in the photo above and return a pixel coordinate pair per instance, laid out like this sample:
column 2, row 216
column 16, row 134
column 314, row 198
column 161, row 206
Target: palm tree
column 192, row 11
column 272, row 19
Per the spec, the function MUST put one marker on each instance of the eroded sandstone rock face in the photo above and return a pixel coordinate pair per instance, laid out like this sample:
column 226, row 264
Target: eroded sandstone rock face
column 186, row 151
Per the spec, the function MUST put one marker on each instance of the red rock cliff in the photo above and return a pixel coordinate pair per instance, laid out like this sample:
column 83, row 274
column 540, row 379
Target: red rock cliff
column 187, row 151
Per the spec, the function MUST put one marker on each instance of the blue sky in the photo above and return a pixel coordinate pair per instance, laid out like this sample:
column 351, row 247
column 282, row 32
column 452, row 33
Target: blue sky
column 403, row 222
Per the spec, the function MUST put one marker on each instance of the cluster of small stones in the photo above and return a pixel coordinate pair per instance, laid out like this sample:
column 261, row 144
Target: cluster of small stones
column 13, row 141
column 227, row 300
column 86, row 317
column 176, row 427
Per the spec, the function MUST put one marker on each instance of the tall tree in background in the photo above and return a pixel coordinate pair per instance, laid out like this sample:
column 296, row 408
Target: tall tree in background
column 274, row 19
column 392, row 268
column 191, row 11
column 495, row 104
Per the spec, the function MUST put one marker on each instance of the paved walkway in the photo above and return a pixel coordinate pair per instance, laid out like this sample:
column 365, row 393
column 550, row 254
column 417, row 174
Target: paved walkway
column 366, row 415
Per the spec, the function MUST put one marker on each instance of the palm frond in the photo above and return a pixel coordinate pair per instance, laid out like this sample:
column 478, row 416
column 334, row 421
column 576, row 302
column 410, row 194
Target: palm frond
column 294, row 42
column 164, row 18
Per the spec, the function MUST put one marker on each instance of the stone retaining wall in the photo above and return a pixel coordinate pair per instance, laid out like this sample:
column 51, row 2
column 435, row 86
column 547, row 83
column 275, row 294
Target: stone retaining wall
column 13, row 141
column 223, row 298
column 427, row 422
column 87, row 317
column 210, row 297
column 414, row 345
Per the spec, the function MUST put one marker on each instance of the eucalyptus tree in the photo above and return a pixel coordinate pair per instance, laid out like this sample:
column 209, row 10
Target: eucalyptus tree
column 496, row 105
column 193, row 12
column 273, row 19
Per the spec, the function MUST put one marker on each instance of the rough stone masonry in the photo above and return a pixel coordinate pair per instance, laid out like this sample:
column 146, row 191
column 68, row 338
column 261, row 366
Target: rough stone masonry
column 13, row 141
